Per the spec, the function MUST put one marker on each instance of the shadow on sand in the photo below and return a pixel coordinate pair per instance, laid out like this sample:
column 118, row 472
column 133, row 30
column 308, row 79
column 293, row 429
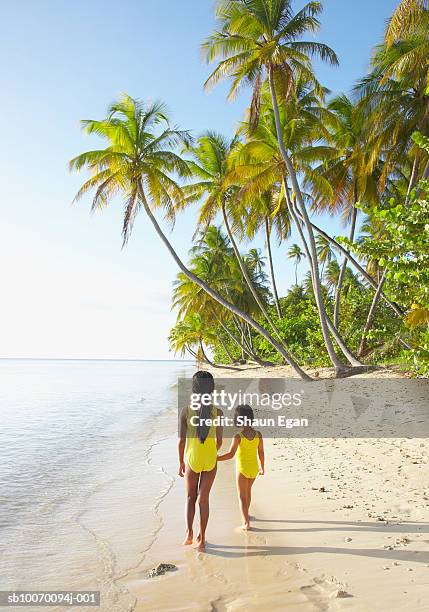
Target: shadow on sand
column 262, row 550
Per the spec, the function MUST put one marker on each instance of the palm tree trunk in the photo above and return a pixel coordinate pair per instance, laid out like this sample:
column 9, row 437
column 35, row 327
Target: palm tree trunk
column 414, row 175
column 343, row 270
column 424, row 177
column 270, row 261
column 359, row 268
column 210, row 362
column 341, row 344
column 247, row 277
column 225, row 348
column 191, row 352
column 242, row 347
column 371, row 313
column 296, row 273
column 338, row 365
column 216, row 296
column 249, row 333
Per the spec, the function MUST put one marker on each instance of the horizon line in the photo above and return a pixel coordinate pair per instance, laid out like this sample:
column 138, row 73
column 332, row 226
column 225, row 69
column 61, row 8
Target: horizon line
column 88, row 359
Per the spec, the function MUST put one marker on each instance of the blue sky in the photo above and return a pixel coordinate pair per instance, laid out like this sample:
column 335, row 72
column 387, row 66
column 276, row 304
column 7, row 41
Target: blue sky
column 68, row 290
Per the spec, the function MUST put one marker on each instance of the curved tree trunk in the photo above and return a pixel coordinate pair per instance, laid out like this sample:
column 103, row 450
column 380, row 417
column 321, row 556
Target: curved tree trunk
column 424, row 177
column 214, row 365
column 191, row 352
column 225, row 348
column 242, row 346
column 247, row 277
column 338, row 365
column 371, row 314
column 359, row 268
column 217, row 297
column 343, row 271
column 272, row 275
column 414, row 175
column 342, row 345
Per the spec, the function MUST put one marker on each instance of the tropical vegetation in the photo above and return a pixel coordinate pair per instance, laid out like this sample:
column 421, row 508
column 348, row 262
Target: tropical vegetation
column 355, row 300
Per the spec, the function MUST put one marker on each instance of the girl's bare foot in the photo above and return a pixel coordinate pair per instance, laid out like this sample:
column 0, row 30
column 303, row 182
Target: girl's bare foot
column 245, row 526
column 201, row 546
column 200, row 543
column 189, row 539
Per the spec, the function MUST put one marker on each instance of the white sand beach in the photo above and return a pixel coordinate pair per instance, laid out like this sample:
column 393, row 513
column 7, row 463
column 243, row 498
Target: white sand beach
column 338, row 524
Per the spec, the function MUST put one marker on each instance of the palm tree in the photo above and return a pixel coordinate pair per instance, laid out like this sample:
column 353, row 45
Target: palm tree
column 261, row 214
column 395, row 91
column 259, row 40
column 408, row 15
column 213, row 260
column 350, row 171
column 259, row 163
column 332, row 274
column 138, row 164
column 191, row 334
column 209, row 165
column 372, row 229
column 296, row 254
column 324, row 251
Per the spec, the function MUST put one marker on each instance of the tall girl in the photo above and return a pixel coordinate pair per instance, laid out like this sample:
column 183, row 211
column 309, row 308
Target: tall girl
column 200, row 441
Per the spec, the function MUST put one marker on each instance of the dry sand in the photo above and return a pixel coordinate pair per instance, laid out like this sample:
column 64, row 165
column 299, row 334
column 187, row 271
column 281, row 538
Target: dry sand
column 339, row 524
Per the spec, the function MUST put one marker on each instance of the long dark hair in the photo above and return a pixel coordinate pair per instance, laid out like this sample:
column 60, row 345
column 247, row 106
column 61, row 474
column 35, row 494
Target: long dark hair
column 203, row 383
column 244, row 410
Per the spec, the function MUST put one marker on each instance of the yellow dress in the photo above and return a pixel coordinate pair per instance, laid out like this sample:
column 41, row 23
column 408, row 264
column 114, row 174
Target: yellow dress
column 201, row 456
column 247, row 456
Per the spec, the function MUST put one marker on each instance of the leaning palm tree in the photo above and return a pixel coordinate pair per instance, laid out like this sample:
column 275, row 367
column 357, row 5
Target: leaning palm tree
column 265, row 214
column 296, row 254
column 213, row 260
column 138, row 163
column 258, row 40
column 259, row 164
column 350, row 171
column 209, row 164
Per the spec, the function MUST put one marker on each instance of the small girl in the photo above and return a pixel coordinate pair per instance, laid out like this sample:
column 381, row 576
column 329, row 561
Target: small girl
column 248, row 445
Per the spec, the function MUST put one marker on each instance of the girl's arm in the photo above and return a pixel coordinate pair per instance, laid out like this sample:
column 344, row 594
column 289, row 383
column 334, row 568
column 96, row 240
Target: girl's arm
column 232, row 450
column 261, row 455
column 219, row 431
column 182, row 441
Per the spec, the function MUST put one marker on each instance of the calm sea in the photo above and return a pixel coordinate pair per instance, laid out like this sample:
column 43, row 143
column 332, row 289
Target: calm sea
column 77, row 486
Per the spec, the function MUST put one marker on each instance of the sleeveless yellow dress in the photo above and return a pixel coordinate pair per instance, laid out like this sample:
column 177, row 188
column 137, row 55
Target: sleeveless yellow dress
column 201, row 456
column 247, row 456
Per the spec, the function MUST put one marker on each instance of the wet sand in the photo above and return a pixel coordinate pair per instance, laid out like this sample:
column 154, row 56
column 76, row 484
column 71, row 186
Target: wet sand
column 338, row 524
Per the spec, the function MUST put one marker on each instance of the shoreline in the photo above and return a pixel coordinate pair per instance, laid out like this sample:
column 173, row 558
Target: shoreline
column 339, row 524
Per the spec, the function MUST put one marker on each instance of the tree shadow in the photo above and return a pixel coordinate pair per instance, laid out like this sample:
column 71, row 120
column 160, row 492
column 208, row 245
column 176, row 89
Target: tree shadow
column 408, row 527
column 298, row 526
column 264, row 550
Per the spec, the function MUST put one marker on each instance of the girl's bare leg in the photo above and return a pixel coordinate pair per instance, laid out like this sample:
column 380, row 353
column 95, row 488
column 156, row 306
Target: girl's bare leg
column 250, row 482
column 243, row 499
column 205, row 485
column 191, row 479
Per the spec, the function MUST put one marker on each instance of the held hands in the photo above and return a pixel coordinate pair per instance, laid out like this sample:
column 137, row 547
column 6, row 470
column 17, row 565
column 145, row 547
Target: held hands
column 181, row 469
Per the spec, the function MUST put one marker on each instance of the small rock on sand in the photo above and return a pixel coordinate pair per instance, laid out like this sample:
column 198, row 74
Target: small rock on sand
column 161, row 569
column 339, row 593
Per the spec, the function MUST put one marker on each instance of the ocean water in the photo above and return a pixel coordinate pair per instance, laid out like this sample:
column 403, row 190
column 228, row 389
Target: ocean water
column 78, row 489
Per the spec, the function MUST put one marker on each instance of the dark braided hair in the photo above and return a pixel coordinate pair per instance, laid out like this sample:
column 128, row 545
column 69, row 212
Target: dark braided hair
column 202, row 384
